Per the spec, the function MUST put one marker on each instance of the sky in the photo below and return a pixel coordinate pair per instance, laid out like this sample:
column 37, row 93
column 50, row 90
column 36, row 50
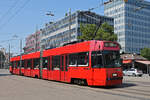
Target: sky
column 22, row 17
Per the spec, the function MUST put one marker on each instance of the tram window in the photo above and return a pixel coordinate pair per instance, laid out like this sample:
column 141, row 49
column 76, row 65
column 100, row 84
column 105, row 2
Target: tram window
column 23, row 63
column 56, row 63
column 29, row 63
column 36, row 63
column 111, row 59
column 73, row 59
column 18, row 64
column 97, row 59
column 15, row 64
column 83, row 59
column 62, row 63
column 49, row 62
column 45, row 62
column 67, row 63
column 12, row 64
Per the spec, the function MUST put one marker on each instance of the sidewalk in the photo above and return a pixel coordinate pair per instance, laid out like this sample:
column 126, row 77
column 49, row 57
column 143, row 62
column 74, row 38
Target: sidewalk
column 144, row 78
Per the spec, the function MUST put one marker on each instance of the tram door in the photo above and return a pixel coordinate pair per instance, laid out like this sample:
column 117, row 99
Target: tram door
column 64, row 68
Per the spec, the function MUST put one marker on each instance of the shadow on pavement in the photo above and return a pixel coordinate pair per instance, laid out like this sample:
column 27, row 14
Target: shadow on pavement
column 124, row 85
column 5, row 75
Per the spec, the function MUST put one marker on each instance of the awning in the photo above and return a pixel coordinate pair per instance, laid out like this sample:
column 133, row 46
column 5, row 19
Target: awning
column 127, row 61
column 143, row 62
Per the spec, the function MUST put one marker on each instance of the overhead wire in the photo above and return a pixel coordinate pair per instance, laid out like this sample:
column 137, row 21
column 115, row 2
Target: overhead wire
column 14, row 14
column 99, row 6
column 14, row 5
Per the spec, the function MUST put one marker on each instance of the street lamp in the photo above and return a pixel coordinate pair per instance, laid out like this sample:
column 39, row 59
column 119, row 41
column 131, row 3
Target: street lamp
column 41, row 47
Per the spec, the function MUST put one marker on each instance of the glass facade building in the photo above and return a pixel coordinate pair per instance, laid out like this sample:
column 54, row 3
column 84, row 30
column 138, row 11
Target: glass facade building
column 68, row 28
column 131, row 23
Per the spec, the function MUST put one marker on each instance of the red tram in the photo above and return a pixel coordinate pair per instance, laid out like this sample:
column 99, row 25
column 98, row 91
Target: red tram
column 95, row 63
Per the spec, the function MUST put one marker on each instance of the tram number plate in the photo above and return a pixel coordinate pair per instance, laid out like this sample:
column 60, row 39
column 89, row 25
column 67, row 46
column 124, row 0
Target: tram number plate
column 114, row 74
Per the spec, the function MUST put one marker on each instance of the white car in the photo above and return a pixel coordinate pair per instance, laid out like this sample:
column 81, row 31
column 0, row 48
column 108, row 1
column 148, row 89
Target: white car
column 133, row 72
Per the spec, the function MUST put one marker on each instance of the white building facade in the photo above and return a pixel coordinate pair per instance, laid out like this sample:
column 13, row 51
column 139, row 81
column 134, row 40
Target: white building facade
column 68, row 28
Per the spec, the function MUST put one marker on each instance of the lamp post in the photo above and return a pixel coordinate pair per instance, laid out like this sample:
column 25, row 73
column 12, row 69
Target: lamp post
column 49, row 13
column 41, row 54
column 41, row 48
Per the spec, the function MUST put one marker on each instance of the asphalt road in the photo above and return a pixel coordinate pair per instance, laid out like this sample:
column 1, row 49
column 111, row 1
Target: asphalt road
column 13, row 87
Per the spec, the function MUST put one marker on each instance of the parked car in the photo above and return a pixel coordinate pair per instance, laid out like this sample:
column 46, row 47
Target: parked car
column 133, row 72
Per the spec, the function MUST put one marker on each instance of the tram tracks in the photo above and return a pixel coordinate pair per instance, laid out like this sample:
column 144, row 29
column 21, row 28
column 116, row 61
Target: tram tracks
column 132, row 92
column 128, row 92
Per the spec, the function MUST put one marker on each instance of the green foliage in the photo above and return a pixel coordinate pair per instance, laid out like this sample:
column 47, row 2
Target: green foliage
column 87, row 31
column 146, row 53
column 105, row 32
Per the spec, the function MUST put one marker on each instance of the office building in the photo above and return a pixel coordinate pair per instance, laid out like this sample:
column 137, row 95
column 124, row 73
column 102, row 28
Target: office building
column 131, row 23
column 67, row 29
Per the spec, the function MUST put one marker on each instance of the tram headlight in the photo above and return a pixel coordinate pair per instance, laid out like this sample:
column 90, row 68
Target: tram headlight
column 114, row 74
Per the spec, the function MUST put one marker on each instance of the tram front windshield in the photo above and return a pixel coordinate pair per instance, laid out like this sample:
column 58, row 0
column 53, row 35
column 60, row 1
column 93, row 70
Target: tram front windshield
column 105, row 59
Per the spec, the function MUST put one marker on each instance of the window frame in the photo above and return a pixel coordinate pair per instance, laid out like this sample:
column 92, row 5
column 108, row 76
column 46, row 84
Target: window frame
column 34, row 65
column 43, row 66
column 77, row 60
column 57, row 62
column 27, row 61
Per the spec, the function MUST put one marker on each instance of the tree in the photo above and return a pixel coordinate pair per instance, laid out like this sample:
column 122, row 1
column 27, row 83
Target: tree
column 105, row 32
column 87, row 31
column 145, row 53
